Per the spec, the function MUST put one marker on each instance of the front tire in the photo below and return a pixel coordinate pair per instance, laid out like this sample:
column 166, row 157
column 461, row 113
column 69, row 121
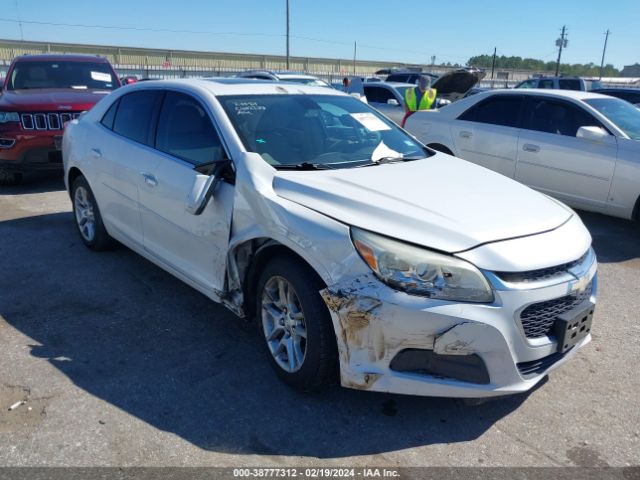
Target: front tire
column 295, row 325
column 87, row 217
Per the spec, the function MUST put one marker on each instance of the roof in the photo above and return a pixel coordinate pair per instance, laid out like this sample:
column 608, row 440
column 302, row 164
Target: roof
column 616, row 89
column 238, row 86
column 391, row 84
column 61, row 57
column 573, row 94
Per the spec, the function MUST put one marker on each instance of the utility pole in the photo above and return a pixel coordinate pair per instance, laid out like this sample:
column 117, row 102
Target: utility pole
column 355, row 51
column 604, row 50
column 287, row 34
column 493, row 64
column 561, row 43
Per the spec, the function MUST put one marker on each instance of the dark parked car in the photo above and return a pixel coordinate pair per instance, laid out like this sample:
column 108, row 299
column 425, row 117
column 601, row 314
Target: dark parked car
column 631, row 95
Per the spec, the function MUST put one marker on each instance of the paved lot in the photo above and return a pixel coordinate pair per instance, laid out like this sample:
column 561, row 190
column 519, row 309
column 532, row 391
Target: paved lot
column 121, row 364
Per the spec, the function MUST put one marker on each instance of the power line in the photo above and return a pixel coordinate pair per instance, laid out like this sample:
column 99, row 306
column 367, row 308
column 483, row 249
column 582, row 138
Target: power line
column 209, row 32
column 139, row 29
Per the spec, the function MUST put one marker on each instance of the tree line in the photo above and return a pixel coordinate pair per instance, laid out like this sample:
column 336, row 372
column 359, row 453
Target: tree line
column 519, row 63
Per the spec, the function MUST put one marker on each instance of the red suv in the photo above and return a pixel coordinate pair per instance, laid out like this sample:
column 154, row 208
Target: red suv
column 40, row 94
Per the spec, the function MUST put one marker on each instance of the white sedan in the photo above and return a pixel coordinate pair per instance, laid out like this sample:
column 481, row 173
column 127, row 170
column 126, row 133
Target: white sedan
column 361, row 254
column 582, row 148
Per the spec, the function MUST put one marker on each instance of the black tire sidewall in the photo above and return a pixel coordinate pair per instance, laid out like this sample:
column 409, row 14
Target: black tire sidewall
column 319, row 368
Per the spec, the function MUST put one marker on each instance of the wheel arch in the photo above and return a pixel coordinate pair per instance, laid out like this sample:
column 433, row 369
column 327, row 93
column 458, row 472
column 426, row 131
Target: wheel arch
column 72, row 175
column 636, row 210
column 247, row 260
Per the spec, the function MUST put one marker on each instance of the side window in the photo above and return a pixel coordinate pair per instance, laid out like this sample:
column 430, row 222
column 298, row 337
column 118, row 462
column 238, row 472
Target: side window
column 559, row 118
column 545, row 83
column 377, row 94
column 496, row 110
column 569, row 84
column 186, row 132
column 528, row 84
column 135, row 115
column 110, row 116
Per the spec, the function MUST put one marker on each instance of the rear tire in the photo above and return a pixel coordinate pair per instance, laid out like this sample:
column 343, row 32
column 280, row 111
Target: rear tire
column 87, row 217
column 295, row 325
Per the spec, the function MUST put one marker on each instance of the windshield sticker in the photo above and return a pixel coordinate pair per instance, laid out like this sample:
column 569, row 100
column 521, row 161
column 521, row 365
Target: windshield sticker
column 369, row 121
column 100, row 77
column 247, row 108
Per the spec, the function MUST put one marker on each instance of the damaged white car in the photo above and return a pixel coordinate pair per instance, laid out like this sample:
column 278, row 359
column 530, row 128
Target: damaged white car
column 361, row 254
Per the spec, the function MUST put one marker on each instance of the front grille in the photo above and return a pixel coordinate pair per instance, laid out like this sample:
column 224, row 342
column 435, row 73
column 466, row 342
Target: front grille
column 46, row 121
column 540, row 274
column 537, row 319
column 536, row 367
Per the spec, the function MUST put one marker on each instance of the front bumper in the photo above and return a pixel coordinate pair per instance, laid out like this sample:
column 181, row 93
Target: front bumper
column 375, row 323
column 37, row 151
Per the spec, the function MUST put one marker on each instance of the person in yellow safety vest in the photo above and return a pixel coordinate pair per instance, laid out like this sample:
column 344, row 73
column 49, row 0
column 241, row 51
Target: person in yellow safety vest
column 421, row 97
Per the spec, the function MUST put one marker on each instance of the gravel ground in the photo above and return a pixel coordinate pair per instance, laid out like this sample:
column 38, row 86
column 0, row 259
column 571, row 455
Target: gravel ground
column 120, row 364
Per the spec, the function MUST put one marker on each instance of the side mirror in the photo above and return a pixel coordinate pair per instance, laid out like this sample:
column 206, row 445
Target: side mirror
column 595, row 134
column 204, row 186
column 394, row 102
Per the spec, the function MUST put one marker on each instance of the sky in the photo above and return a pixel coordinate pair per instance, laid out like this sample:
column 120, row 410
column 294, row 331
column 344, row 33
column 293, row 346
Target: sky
column 398, row 30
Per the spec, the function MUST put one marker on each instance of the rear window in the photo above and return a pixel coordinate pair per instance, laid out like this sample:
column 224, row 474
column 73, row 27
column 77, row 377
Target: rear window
column 28, row 75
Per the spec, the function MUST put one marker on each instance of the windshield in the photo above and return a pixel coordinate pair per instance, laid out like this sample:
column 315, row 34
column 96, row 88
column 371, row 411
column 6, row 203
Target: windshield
column 623, row 114
column 50, row 74
column 332, row 130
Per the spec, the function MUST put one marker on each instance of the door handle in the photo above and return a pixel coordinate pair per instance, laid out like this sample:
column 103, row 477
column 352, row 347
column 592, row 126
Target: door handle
column 150, row 179
column 528, row 147
column 465, row 134
column 96, row 152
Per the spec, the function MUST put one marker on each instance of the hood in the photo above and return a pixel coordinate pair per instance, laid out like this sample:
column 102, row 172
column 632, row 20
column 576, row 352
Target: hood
column 50, row 99
column 441, row 202
column 458, row 81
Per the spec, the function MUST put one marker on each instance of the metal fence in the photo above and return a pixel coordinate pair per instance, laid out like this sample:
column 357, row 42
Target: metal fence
column 161, row 63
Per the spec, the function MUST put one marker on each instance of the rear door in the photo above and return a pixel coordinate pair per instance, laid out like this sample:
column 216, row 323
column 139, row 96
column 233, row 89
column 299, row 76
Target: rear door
column 552, row 159
column 193, row 245
column 487, row 133
column 120, row 150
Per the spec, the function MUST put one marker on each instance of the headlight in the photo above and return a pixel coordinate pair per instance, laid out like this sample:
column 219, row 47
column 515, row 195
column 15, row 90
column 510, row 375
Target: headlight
column 9, row 117
column 419, row 271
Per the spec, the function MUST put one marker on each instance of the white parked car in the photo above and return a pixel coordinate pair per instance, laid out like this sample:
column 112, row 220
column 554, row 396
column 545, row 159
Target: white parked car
column 361, row 254
column 582, row 148
column 291, row 77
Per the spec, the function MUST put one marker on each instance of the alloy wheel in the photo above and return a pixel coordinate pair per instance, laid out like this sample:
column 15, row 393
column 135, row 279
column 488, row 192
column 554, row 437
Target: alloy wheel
column 283, row 324
column 85, row 217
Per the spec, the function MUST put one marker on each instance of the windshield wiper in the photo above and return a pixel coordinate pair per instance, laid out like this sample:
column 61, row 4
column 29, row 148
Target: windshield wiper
column 304, row 166
column 382, row 160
